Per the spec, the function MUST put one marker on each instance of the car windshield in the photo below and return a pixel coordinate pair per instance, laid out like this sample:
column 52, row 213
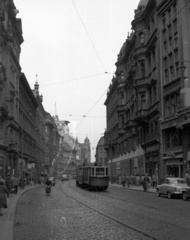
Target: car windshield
column 178, row 181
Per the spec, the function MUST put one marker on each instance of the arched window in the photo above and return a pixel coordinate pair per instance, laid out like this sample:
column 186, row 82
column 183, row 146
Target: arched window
column 143, row 101
column 142, row 66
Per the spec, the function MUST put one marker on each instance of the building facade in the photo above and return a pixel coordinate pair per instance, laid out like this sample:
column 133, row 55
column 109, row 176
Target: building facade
column 10, row 47
column 52, row 145
column 22, row 115
column 101, row 154
column 148, row 101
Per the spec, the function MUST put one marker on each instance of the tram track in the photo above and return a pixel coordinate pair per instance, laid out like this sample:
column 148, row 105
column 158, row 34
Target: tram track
column 123, row 200
column 104, row 214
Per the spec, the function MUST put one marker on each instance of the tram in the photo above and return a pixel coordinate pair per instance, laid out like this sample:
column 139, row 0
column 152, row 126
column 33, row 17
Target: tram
column 92, row 177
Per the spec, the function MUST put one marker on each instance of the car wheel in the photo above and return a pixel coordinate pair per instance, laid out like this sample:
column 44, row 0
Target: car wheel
column 157, row 193
column 185, row 198
column 169, row 195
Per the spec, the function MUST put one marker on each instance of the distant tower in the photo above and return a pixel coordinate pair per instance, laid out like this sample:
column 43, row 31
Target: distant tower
column 55, row 109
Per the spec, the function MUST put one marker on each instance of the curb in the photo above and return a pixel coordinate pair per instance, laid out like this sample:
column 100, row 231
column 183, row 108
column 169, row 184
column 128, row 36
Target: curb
column 133, row 189
column 7, row 223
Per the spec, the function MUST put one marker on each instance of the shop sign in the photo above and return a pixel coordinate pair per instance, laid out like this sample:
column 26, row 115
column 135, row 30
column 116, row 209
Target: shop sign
column 173, row 161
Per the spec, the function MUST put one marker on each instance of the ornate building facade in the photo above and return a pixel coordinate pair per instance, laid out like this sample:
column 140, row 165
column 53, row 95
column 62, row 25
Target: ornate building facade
column 22, row 115
column 148, row 100
column 10, row 47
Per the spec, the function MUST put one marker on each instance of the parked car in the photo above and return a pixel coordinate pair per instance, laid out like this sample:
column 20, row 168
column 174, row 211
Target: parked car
column 64, row 176
column 52, row 179
column 174, row 187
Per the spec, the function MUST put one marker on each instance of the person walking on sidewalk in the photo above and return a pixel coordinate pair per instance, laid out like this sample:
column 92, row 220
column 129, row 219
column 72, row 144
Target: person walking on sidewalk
column 123, row 179
column 15, row 184
column 3, row 196
column 146, row 182
column 128, row 178
column 9, row 185
column 154, row 180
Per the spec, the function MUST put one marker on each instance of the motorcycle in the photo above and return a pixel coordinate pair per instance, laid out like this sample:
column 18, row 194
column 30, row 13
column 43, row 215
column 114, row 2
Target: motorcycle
column 48, row 190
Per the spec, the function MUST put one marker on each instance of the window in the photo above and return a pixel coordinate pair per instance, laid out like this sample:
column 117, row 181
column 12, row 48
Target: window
column 177, row 101
column 175, row 139
column 142, row 69
column 122, row 99
column 142, row 39
column 143, row 101
column 153, row 58
column 170, row 30
column 175, row 26
column 167, row 107
column 150, row 96
column 175, row 42
column 167, row 140
column 165, row 48
column 99, row 171
column 163, row 20
column 172, row 73
column 122, row 121
column 177, row 70
column 155, row 93
column 173, row 107
column 166, row 77
column 174, row 10
column 170, row 44
column 169, row 15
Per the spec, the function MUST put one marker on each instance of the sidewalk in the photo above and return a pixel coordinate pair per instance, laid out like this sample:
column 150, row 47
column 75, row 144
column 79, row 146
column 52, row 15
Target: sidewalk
column 133, row 187
column 7, row 220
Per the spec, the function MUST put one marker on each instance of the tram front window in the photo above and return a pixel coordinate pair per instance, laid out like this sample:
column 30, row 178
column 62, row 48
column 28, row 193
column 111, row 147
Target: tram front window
column 99, row 171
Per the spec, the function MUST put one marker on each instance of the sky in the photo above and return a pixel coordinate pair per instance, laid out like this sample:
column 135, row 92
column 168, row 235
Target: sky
column 70, row 47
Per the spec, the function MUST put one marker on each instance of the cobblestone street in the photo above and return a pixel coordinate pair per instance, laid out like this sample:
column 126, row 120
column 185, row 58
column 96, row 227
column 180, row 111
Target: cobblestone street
column 119, row 213
column 58, row 217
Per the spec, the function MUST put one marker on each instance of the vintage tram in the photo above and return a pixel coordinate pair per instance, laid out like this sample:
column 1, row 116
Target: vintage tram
column 92, row 177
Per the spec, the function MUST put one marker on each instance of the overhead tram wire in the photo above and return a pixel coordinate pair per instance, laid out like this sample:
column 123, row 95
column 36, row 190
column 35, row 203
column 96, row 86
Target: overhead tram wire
column 75, row 79
column 89, row 36
column 74, row 115
column 91, row 108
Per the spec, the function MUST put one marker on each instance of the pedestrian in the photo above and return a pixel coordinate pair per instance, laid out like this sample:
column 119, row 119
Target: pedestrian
column 154, row 180
column 187, row 178
column 3, row 196
column 9, row 185
column 137, row 180
column 129, row 181
column 123, row 180
column 15, row 182
column 146, row 182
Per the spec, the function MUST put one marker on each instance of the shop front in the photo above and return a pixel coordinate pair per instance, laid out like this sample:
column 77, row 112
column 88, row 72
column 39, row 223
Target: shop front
column 173, row 167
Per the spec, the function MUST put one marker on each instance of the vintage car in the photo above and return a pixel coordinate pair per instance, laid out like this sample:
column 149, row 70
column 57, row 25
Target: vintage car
column 174, row 187
column 64, row 176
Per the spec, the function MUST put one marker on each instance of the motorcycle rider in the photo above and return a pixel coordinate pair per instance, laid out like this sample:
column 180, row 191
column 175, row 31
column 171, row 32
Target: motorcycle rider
column 48, row 184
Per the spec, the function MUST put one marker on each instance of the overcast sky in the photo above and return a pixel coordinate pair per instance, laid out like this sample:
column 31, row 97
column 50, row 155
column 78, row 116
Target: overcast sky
column 72, row 47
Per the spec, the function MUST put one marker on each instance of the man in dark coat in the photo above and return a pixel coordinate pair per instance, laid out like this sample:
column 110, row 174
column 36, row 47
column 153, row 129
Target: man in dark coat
column 3, row 197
